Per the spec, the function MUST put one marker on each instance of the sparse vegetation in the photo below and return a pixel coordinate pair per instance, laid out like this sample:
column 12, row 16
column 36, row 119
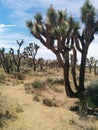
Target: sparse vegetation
column 38, row 84
column 8, row 111
column 91, row 95
column 19, row 76
column 2, row 78
column 19, row 108
column 37, row 98
column 90, row 128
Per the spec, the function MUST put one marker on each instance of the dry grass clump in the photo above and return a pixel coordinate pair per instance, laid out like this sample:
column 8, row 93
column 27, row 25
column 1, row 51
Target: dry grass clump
column 52, row 102
column 2, row 78
column 56, row 80
column 19, row 75
column 37, row 98
column 28, row 88
column 38, row 84
column 8, row 110
column 88, row 101
column 43, row 90
column 35, row 86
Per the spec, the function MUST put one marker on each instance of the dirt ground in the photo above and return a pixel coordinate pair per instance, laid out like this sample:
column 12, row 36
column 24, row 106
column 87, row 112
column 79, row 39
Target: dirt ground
column 36, row 116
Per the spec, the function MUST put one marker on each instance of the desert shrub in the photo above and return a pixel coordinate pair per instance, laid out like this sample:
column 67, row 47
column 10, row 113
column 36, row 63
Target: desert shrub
column 82, row 108
column 36, row 98
column 15, row 82
column 89, row 128
column 48, row 102
column 19, row 76
column 52, row 81
column 2, row 78
column 72, row 122
column 7, row 111
column 58, row 81
column 88, row 99
column 91, row 95
column 28, row 88
column 49, row 81
column 51, row 102
column 19, row 108
column 38, row 84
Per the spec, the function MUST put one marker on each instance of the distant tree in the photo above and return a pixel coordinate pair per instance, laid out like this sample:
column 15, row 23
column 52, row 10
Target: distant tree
column 6, row 61
column 92, row 63
column 40, row 61
column 95, row 67
column 61, row 34
column 31, row 51
column 17, row 57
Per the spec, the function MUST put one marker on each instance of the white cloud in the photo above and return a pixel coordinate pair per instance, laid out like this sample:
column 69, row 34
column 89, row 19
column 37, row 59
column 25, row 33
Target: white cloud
column 5, row 26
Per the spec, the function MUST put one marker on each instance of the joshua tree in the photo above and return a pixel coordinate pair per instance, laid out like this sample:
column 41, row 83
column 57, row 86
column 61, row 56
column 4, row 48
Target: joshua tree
column 17, row 58
column 40, row 61
column 73, row 64
column 90, row 62
column 88, row 17
column 31, row 51
column 60, row 34
column 5, row 61
column 95, row 67
column 55, row 34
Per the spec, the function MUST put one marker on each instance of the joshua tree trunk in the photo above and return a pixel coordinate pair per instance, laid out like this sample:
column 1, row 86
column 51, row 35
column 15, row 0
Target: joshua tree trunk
column 95, row 72
column 34, row 64
column 68, row 89
column 82, row 69
column 73, row 68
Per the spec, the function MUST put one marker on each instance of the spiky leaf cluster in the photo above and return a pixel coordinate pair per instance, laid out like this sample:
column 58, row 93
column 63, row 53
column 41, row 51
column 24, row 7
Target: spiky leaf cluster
column 88, row 12
column 38, row 18
column 51, row 16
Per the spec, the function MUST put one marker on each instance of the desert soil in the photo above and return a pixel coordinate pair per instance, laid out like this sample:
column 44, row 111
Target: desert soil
column 36, row 116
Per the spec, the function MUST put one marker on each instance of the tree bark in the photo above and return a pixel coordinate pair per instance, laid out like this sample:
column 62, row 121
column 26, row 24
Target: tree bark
column 69, row 91
column 73, row 68
column 82, row 69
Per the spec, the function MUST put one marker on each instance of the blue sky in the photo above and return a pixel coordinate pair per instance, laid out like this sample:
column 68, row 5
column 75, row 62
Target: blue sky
column 14, row 13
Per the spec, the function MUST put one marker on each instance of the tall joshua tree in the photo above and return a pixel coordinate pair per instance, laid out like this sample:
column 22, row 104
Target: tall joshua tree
column 56, row 34
column 5, row 61
column 88, row 17
column 31, row 51
column 60, row 34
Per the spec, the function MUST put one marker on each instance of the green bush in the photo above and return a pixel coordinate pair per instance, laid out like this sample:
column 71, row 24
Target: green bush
column 38, row 84
column 88, row 99
column 91, row 95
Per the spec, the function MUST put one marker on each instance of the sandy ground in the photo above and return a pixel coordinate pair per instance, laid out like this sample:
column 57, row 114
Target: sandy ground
column 36, row 116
